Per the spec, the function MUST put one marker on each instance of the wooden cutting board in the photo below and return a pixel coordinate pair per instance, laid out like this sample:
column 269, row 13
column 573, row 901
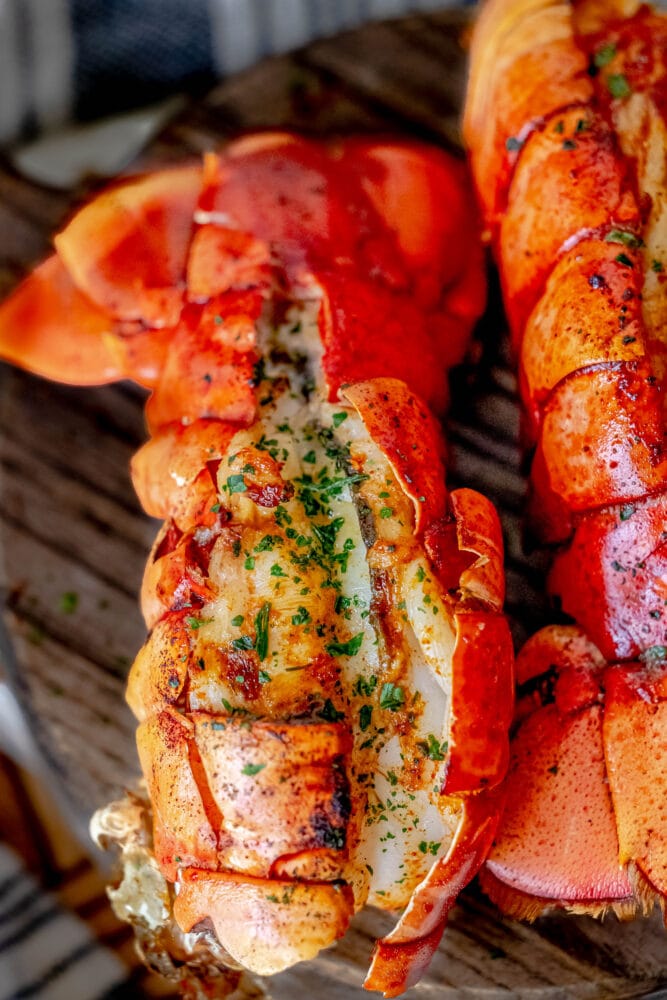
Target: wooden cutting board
column 74, row 540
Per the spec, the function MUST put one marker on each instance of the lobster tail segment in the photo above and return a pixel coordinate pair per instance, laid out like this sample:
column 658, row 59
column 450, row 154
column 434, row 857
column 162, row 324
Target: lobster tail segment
column 567, row 130
column 584, row 825
column 325, row 692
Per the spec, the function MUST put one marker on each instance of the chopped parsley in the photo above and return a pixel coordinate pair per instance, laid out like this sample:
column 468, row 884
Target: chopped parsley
column 236, row 484
column 624, row 237
column 365, row 686
column 432, row 748
column 237, row 621
column 387, row 512
column 365, row 715
column 267, row 543
column 302, row 617
column 338, row 419
column 262, row 631
column 258, row 373
column 252, row 769
column 282, row 517
column 391, row 696
column 618, row 86
column 330, row 713
column 623, row 259
column 604, row 55
column 349, row 648
column 244, row 642
column 195, row 623
column 326, row 534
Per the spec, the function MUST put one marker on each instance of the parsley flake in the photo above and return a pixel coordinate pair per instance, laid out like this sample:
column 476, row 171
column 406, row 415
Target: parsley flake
column 604, row 55
column 623, row 236
column 252, row 769
column 330, row 713
column 365, row 715
column 195, row 623
column 391, row 696
column 262, row 631
column 349, row 648
column 243, row 642
column 618, row 86
column 302, row 617
column 432, row 748
column 236, row 484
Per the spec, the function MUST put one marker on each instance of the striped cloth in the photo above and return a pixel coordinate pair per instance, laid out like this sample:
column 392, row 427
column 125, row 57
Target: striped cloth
column 80, row 59
column 59, row 939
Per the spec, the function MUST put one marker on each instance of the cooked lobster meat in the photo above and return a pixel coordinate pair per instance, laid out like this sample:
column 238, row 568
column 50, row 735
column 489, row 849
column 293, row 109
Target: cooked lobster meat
column 325, row 692
column 565, row 122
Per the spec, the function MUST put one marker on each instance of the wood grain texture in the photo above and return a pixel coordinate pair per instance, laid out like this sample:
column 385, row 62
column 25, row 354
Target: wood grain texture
column 70, row 525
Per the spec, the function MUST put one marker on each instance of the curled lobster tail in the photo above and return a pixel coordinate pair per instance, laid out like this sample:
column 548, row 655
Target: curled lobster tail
column 572, row 178
column 325, row 693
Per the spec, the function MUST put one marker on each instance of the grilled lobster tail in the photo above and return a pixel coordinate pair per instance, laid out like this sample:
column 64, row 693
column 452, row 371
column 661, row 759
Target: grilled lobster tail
column 325, row 693
column 567, row 131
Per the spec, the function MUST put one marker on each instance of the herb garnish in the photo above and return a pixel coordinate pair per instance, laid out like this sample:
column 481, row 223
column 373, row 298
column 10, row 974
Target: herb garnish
column 391, row 696
column 330, row 713
column 252, row 769
column 302, row 617
column 349, row 648
column 618, row 86
column 262, row 631
column 604, row 55
column 432, row 748
column 623, row 236
column 195, row 623
column 236, row 484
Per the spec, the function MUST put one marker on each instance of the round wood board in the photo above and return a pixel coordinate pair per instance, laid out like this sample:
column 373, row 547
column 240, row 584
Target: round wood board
column 74, row 539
